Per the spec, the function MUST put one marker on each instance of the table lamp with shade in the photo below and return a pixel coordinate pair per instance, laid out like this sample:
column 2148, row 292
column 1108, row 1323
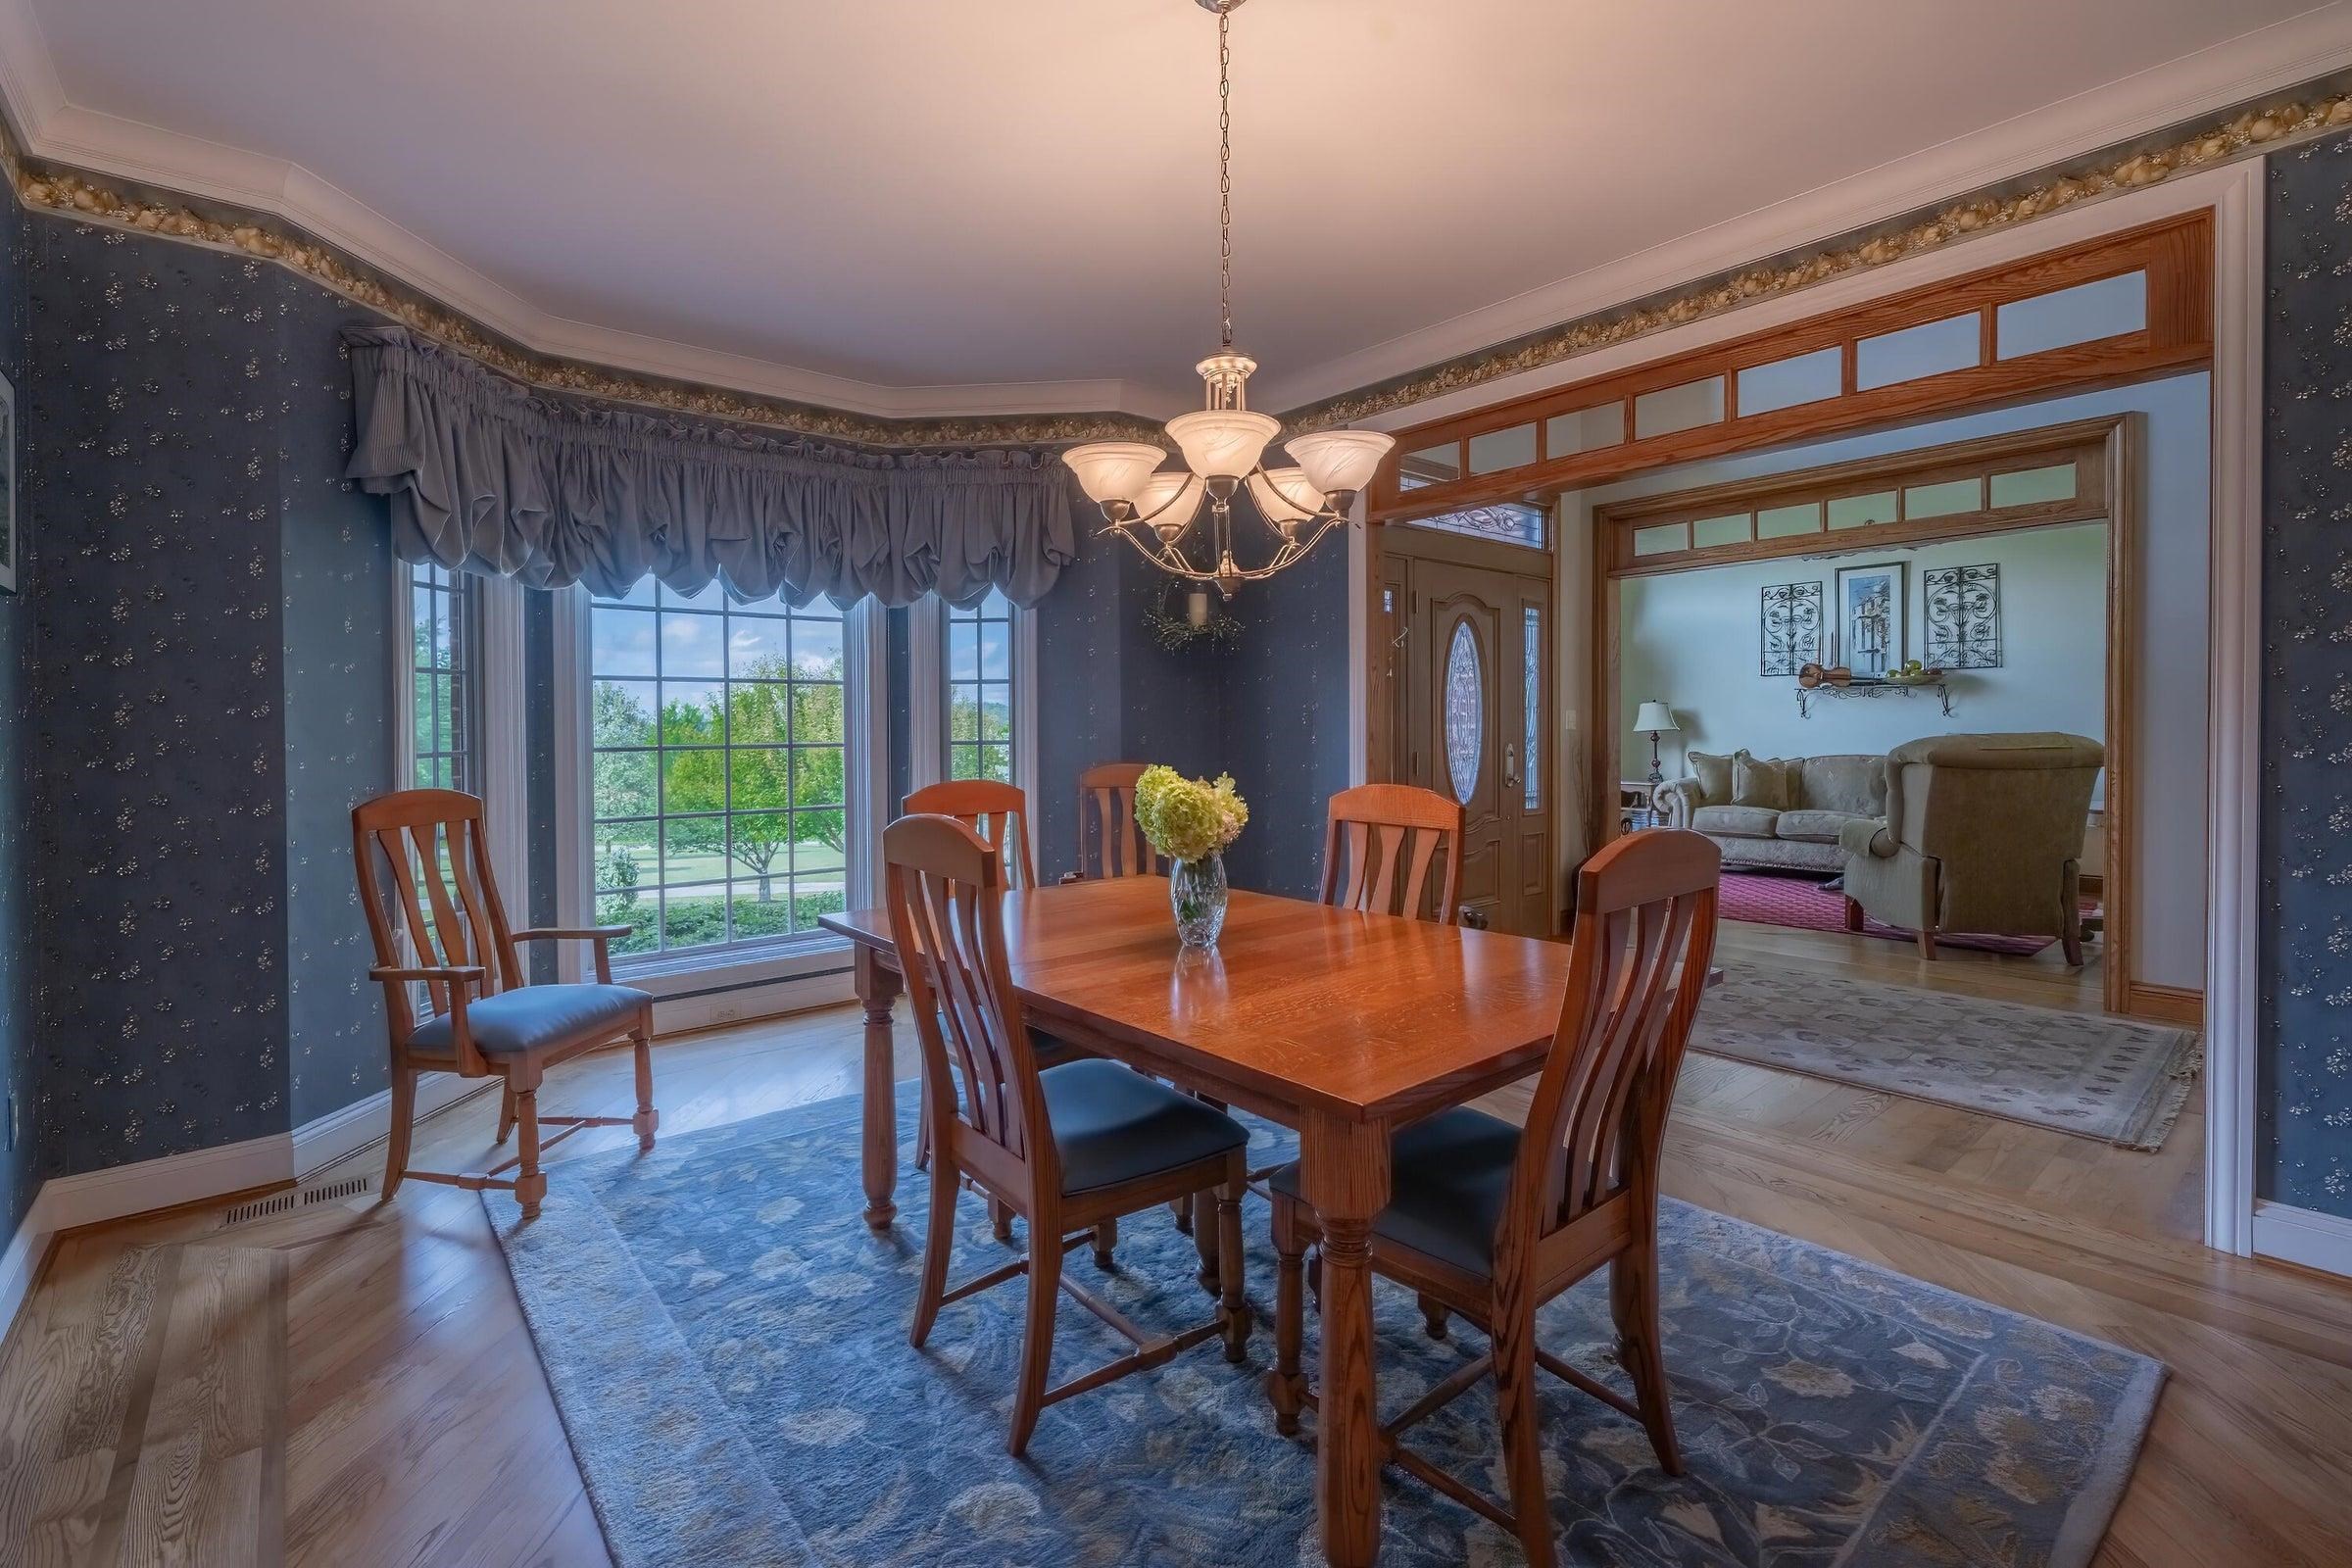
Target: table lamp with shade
column 1655, row 719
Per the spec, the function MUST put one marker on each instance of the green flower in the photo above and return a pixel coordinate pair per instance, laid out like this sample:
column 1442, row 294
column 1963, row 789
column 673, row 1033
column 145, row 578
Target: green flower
column 1188, row 819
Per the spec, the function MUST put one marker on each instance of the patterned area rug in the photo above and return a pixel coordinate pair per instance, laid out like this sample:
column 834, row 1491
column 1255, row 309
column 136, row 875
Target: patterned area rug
column 2105, row 1078
column 1806, row 904
column 727, row 1344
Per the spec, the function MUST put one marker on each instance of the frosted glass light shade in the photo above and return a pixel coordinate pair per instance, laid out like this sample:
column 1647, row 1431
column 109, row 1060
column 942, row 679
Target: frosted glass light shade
column 1655, row 716
column 1340, row 460
column 1113, row 471
column 1223, row 443
column 1285, row 495
column 1158, row 490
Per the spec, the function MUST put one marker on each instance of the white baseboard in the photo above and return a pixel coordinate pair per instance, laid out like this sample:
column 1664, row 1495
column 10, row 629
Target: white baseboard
column 2303, row 1236
column 119, row 1191
column 20, row 1264
column 66, row 1203
column 342, row 1133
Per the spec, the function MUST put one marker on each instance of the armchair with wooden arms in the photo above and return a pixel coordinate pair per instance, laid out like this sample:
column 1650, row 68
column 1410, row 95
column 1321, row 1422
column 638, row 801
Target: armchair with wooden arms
column 434, row 912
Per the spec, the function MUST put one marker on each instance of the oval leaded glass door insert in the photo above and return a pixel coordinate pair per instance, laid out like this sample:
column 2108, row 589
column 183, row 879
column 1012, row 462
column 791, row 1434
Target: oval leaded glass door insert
column 1465, row 712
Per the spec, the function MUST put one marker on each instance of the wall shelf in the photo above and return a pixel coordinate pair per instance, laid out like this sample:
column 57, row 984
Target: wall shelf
column 1872, row 688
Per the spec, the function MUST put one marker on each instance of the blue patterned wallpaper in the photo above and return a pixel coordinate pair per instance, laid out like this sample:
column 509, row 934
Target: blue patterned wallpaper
column 1284, row 718
column 210, row 666
column 2305, row 1097
column 1270, row 707
column 1107, row 692
column 19, row 1063
column 336, row 574
column 158, row 773
column 1079, row 700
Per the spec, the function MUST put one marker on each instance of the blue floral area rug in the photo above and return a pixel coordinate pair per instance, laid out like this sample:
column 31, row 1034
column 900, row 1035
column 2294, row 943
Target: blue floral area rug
column 727, row 1344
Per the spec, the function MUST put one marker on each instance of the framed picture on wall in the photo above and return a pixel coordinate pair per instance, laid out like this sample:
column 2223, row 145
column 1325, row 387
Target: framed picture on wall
column 1872, row 612
column 1960, row 608
column 1789, row 627
column 8, row 486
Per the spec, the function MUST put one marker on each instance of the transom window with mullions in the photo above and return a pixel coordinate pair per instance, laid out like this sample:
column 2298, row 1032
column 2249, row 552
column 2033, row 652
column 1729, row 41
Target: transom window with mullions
column 720, row 759
column 980, row 690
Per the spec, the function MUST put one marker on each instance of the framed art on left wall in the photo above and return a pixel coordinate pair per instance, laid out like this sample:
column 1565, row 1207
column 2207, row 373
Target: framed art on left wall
column 8, row 486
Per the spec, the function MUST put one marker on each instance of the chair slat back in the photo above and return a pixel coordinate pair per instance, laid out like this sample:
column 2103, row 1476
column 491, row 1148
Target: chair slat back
column 1117, row 844
column 426, row 883
column 946, row 894
column 1644, row 937
column 998, row 812
column 1393, row 835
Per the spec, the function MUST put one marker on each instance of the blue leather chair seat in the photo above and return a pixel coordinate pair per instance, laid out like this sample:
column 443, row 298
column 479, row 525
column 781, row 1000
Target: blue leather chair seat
column 532, row 1017
column 1112, row 1124
column 1447, row 1177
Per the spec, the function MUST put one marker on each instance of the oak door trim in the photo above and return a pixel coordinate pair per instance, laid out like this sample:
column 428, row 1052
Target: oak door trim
column 2116, row 439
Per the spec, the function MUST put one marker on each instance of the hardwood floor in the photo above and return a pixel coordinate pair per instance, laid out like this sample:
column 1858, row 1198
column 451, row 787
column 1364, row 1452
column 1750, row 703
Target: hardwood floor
column 351, row 1383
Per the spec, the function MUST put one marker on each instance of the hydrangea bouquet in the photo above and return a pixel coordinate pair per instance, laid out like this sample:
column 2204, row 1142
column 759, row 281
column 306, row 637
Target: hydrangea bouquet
column 1189, row 822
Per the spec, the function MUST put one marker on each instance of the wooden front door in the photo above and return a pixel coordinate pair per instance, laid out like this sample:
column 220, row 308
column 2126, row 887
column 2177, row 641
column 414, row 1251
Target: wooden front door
column 1470, row 648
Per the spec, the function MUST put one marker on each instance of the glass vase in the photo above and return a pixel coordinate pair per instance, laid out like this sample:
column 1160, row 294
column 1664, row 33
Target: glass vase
column 1196, row 894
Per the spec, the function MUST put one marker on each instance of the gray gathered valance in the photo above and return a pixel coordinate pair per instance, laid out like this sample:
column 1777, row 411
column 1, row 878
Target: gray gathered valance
column 488, row 475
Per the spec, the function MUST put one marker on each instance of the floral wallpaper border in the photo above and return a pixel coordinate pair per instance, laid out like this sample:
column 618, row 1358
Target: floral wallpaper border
column 53, row 187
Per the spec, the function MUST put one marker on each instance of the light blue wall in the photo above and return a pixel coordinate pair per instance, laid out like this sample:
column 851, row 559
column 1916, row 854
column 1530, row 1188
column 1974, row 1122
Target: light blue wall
column 2169, row 659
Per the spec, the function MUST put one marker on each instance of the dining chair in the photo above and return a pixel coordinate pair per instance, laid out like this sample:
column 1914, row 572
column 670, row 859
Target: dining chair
column 1386, row 828
column 1115, row 845
column 437, row 921
column 1492, row 1222
column 999, row 812
column 1064, row 1147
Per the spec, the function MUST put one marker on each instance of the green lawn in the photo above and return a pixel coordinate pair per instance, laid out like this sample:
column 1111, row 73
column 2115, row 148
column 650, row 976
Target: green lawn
column 712, row 865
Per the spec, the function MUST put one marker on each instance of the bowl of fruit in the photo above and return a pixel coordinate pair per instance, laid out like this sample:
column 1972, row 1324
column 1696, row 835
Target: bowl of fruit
column 1913, row 673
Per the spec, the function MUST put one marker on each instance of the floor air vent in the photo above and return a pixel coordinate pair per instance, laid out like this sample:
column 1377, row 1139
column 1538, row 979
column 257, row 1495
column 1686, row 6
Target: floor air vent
column 298, row 1198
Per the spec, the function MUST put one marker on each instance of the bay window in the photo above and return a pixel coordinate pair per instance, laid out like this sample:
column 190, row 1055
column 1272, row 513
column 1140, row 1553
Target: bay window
column 718, row 759
column 973, row 671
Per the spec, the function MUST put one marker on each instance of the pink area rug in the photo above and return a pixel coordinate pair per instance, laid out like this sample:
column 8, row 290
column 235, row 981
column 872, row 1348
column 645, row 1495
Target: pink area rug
column 1809, row 905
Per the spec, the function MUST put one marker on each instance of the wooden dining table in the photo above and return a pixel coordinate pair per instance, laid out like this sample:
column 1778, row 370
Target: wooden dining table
column 1339, row 1024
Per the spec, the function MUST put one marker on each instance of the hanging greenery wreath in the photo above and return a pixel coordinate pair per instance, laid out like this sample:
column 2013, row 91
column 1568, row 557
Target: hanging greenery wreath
column 1187, row 614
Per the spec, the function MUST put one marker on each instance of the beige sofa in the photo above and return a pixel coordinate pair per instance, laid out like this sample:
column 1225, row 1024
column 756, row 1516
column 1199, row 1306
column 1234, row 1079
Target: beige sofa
column 1800, row 834
column 1984, row 833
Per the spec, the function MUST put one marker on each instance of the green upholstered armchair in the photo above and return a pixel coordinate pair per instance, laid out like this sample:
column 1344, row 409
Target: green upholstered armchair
column 1982, row 834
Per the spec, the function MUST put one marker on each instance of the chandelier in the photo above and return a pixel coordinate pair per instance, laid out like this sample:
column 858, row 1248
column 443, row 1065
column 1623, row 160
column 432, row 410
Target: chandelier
column 1224, row 442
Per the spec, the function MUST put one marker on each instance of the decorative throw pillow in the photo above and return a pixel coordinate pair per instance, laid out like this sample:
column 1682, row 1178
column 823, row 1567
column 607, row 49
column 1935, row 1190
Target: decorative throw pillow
column 1714, row 775
column 1769, row 783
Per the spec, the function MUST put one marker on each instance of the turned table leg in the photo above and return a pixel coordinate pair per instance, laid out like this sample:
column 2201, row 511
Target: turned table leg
column 877, row 988
column 1346, row 1180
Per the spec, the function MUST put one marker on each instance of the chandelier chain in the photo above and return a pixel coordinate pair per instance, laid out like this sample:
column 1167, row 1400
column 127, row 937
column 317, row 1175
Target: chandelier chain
column 1225, row 177
column 1226, row 444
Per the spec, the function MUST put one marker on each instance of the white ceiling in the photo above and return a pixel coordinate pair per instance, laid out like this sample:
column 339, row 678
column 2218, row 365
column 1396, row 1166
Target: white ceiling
column 909, row 193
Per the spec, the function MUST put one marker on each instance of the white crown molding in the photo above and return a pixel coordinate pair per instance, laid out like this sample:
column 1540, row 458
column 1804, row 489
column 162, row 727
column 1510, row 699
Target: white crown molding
column 2317, row 43
column 2284, row 55
column 29, row 90
column 49, row 127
